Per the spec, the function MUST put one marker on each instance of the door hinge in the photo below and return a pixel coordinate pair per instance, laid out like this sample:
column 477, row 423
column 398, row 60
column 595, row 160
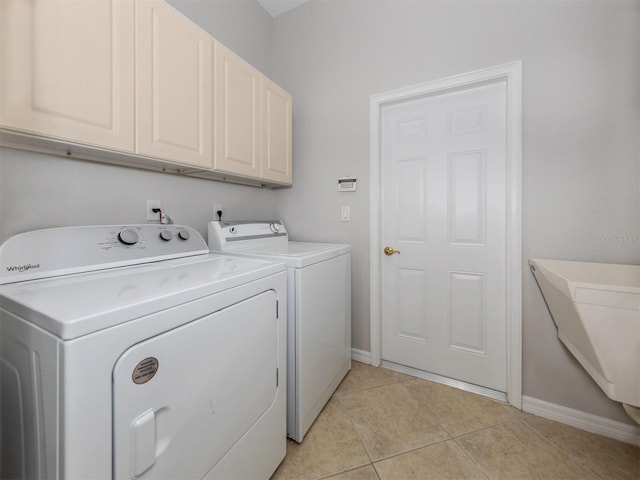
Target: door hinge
column 277, row 308
column 277, row 379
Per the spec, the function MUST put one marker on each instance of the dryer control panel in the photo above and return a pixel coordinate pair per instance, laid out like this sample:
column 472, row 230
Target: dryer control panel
column 61, row 251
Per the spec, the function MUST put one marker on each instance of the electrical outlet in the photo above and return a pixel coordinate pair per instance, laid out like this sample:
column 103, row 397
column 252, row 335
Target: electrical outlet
column 151, row 204
column 217, row 207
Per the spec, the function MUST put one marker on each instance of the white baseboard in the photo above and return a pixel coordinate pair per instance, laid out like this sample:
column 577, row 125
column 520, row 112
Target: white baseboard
column 585, row 421
column 361, row 356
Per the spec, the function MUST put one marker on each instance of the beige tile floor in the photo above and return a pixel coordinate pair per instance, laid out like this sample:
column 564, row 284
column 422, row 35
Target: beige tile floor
column 383, row 425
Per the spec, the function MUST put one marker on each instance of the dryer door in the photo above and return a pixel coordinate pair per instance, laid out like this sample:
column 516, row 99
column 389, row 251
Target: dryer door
column 182, row 399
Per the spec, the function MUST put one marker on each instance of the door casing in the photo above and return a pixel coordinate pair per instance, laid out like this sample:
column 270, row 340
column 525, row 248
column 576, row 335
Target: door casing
column 512, row 74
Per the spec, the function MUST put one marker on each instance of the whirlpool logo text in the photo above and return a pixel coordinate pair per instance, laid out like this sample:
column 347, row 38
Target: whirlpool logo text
column 22, row 268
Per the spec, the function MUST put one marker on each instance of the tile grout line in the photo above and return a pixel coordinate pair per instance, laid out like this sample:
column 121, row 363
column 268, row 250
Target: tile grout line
column 435, row 415
column 355, row 429
column 360, row 389
column 473, row 460
column 456, row 438
column 413, row 450
column 561, row 450
column 331, row 475
column 546, row 441
column 559, row 447
column 488, row 427
column 373, row 462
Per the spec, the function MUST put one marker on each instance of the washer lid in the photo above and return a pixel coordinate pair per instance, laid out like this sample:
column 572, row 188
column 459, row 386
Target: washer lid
column 297, row 254
column 75, row 305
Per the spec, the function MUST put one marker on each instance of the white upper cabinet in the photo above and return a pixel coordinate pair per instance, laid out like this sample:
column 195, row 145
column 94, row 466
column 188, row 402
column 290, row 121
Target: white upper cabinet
column 237, row 115
column 134, row 82
column 67, row 70
column 276, row 133
column 252, row 121
column 174, row 86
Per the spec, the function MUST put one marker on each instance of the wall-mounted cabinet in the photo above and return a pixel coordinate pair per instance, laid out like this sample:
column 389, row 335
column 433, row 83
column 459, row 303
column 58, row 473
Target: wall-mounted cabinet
column 276, row 133
column 67, row 70
column 237, row 117
column 252, row 121
column 174, row 86
column 136, row 83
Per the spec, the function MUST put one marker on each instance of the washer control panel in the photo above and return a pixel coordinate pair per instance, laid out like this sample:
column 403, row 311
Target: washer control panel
column 229, row 235
column 60, row 251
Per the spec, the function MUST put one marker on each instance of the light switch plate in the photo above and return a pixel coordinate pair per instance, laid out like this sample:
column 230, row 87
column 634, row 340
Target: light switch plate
column 345, row 214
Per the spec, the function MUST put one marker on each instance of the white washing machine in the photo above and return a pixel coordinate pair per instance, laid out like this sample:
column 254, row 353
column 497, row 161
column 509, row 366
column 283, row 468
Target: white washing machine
column 133, row 352
column 319, row 310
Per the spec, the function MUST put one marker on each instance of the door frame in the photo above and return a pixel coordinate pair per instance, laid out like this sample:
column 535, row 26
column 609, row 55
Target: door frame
column 511, row 73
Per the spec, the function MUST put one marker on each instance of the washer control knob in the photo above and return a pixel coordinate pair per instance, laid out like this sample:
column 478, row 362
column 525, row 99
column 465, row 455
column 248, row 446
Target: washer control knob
column 166, row 235
column 275, row 227
column 128, row 237
column 183, row 234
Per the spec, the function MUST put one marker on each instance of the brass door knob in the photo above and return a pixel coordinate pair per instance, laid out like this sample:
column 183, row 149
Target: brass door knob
column 390, row 251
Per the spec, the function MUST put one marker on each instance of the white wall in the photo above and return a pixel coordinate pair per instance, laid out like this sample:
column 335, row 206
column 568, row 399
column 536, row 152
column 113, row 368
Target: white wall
column 243, row 26
column 38, row 190
column 581, row 127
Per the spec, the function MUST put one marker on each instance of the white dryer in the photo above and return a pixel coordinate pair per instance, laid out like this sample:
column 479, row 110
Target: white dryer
column 133, row 352
column 319, row 310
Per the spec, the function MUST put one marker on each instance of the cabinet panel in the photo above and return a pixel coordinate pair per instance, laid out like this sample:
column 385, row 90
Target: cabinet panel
column 237, row 121
column 173, row 85
column 276, row 133
column 134, row 82
column 67, row 70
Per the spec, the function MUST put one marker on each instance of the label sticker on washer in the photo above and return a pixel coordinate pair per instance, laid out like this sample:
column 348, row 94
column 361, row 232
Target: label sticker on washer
column 145, row 370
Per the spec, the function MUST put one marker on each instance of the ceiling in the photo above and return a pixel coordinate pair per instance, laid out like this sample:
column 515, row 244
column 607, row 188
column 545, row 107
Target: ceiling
column 276, row 7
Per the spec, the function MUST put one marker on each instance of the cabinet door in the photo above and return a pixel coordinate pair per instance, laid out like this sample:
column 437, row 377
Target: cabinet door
column 237, row 121
column 174, row 106
column 276, row 133
column 67, row 70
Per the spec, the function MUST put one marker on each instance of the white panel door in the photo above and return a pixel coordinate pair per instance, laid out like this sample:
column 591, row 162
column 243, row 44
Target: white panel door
column 237, row 122
column 174, row 86
column 444, row 209
column 276, row 133
column 182, row 399
column 67, row 70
